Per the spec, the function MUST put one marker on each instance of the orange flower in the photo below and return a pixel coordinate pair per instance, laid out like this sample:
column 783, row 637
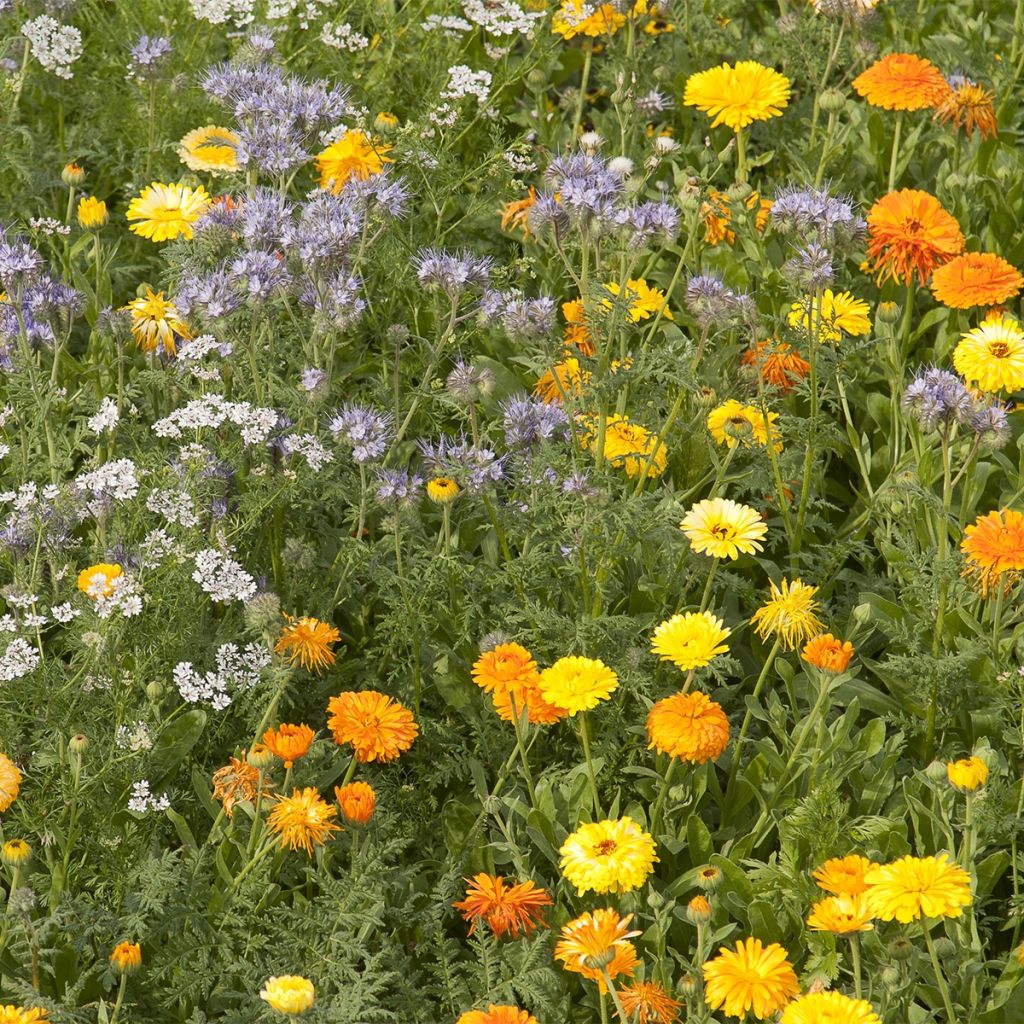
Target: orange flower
column 844, row 876
column 910, row 233
column 970, row 105
column 308, row 641
column 302, row 819
column 505, row 667
column 497, row 1015
column 357, row 801
column 827, row 653
column 689, row 726
column 238, row 781
column 717, row 216
column 975, row 279
column 902, row 81
column 563, row 379
column 577, row 333
column 377, row 727
column 647, row 1002
column 601, row 937
column 994, row 546
column 778, row 364
column 510, row 704
column 517, row 908
column 289, row 742
column 515, row 216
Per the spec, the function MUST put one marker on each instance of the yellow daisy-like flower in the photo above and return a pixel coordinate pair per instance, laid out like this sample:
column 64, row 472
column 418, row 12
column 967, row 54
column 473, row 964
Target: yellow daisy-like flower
column 98, row 580
column 92, row 212
column 627, row 445
column 738, row 96
column 576, row 18
column 723, row 528
column 15, row 852
column 829, row 1008
column 308, row 641
column 644, row 301
column 841, row 915
column 967, row 775
column 302, row 820
column 992, row 355
column 837, row 314
column 155, row 322
column 166, row 211
column 608, row 856
column 354, row 155
column 577, row 684
column 844, row 876
column 210, row 148
column 690, row 640
column 789, row 614
column 915, row 887
column 733, row 421
column 289, row 993
column 10, row 782
column 750, row 977
column 11, row 1014
column 442, row 490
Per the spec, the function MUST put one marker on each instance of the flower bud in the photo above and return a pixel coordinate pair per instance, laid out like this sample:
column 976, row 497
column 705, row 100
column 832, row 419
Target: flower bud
column 78, row 743
column 154, row 690
column 665, row 145
column 126, row 957
column 536, row 78
column 944, row 948
column 21, row 901
column 888, row 312
column 901, row 948
column 92, row 212
column 698, row 910
column 261, row 757
column 15, row 852
column 687, row 985
column 599, row 960
column 936, row 771
column 832, row 101
column 709, row 878
column 263, row 613
column 72, row 175
column 891, row 978
column 738, row 192
column 385, row 121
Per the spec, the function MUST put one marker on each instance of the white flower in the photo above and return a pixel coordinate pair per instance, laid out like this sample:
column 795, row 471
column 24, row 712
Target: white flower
column 501, row 17
column 222, row 577
column 464, row 81
column 64, row 613
column 137, row 737
column 55, row 46
column 142, row 800
column 106, row 417
column 217, row 12
column 18, row 660
column 117, row 480
column 174, row 506
column 343, row 37
column 237, row 670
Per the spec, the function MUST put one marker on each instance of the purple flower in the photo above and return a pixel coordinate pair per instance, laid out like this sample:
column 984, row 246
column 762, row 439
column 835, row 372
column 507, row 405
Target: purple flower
column 312, row 378
column 452, row 272
column 212, row 296
column 383, row 193
column 810, row 269
column 990, row 423
column 260, row 275
column 710, row 301
column 938, row 397
column 547, row 214
column 265, row 219
column 365, row 431
column 336, row 302
column 148, row 57
column 398, row 486
column 528, row 421
column 521, row 318
column 813, row 213
column 654, row 222
column 327, row 226
column 19, row 264
column 470, row 466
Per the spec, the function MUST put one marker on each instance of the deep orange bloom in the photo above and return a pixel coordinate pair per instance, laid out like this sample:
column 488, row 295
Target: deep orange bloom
column 689, row 726
column 289, row 742
column 778, row 363
column 976, row 279
column 648, row 1003
column 510, row 704
column 593, row 938
column 516, row 214
column 507, row 666
column 497, row 1015
column 969, row 105
column 909, row 233
column 357, row 801
column 994, row 546
column 377, row 727
column 577, row 333
column 717, row 216
column 844, row 876
column 308, row 641
column 902, row 81
column 827, row 653
column 126, row 957
column 516, row 908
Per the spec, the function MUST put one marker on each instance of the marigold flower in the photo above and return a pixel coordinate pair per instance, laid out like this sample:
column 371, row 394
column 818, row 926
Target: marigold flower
column 442, row 490
column 165, row 211
column 302, row 820
column 901, row 81
column 992, row 355
column 968, row 774
column 789, row 614
column 10, row 782
column 11, row 1014
column 515, row 215
column 914, row 887
column 716, row 215
column 689, row 726
column 723, row 528
column 827, row 653
column 608, row 856
column 828, row 1007
column 98, row 580
column 15, row 852
column 354, row 155
column 975, row 279
column 994, row 547
column 577, row 333
column 289, row 742
column 511, row 703
column 752, row 976
column 576, row 18
column 504, row 667
column 844, row 876
column 506, row 909
column 738, row 95
column 970, row 106
column 357, row 801
column 598, row 940
column 910, row 234
column 647, row 1002
column 237, row 782
column 833, row 316
column 72, row 174
column 577, row 684
column 642, row 300
column 690, row 640
column 699, row 910
column 210, row 148
column 497, row 1015
column 627, row 445
column 126, row 957
column 288, row 993
column 778, row 363
column 564, row 380
column 733, row 421
column 92, row 212
column 308, row 641
column 156, row 321
column 841, row 915
column 377, row 727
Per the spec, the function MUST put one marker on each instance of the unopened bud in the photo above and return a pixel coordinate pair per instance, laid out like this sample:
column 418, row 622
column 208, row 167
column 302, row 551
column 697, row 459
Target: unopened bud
column 832, row 101
column 78, row 743
column 72, row 175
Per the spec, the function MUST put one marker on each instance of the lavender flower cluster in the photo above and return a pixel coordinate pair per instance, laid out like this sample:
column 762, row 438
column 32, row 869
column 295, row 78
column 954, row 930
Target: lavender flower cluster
column 712, row 303
column 939, row 399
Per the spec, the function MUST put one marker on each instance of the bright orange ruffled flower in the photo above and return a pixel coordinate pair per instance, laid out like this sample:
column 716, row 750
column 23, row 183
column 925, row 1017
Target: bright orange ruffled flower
column 539, row 711
column 844, row 876
column 515, row 215
column 289, row 742
column 517, row 908
column 778, row 363
column 497, row 1015
column 377, row 727
column 969, row 105
column 689, row 726
column 302, row 819
column 647, row 1002
column 902, row 81
column 828, row 653
column 357, row 801
column 750, row 977
column 505, row 667
column 909, row 233
column 592, row 939
column 994, row 546
column 976, row 279
column 308, row 641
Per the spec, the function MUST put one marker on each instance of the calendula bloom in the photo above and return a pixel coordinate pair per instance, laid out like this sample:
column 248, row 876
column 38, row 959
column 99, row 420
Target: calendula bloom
column 577, row 333
column 751, row 977
column 515, row 215
column 627, row 445
column 498, row 1015
column 165, row 211
column 578, row 18
column 308, row 641
column 598, row 939
column 975, row 279
column 690, row 639
column 289, row 993
column 699, row 910
column 289, row 742
column 11, row 1014
column 377, row 727
column 827, row 653
column 15, row 852
column 723, row 528
column 901, row 81
column 210, row 148
column 565, row 380
column 155, row 321
column 302, row 820
column 126, row 957
column 92, row 212
column 709, row 878
column 689, row 726
column 72, row 174
column 789, row 614
column 506, row 666
column 968, row 774
column 442, row 490
column 716, row 215
column 738, row 95
column 608, row 856
column 844, row 876
column 98, row 580
column 834, row 315
column 354, row 155
column 970, row 106
column 992, row 355
column 357, row 801
column 915, row 887
column 577, row 684
column 647, row 1002
column 511, row 702
column 238, row 781
column 506, row 909
column 909, row 235
column 733, row 421
column 841, row 915
column 643, row 300
column 829, row 1007
column 777, row 363
column 994, row 548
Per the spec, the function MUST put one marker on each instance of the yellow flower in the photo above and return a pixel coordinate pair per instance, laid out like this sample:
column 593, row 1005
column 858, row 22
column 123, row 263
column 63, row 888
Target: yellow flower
column 738, row 96
column 733, row 421
column 967, row 775
column 914, row 887
column 308, row 641
column 829, row 1008
column 126, row 957
column 596, row 941
column 442, row 490
column 750, row 977
column 210, row 148
column 789, row 614
column 289, row 993
column 384, row 120
column 575, row 18
column 354, row 155
column 98, row 580
column 577, row 684
column 15, row 852
column 10, row 782
column 565, row 380
column 10, row 1014
column 302, row 819
column 841, row 915
column 608, row 856
column 723, row 528
column 992, row 355
column 836, row 315
column 92, row 212
column 643, row 301
column 690, row 640
column 626, row 445
column 166, row 211
column 155, row 322
column 844, row 876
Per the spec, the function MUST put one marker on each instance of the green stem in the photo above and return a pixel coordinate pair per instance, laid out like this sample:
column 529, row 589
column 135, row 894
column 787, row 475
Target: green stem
column 741, row 157
column 895, row 150
column 855, row 962
column 120, row 999
column 937, row 968
column 615, row 996
column 665, row 783
column 588, row 53
column 585, row 740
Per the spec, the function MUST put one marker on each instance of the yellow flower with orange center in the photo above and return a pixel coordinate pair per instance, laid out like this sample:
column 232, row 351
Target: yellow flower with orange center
column 789, row 614
column 98, row 580
column 841, row 915
column 738, row 95
column 752, row 977
column 915, row 887
column 723, row 528
column 608, row 856
column 155, row 321
column 163, row 212
column 733, row 421
column 992, row 354
column 968, row 774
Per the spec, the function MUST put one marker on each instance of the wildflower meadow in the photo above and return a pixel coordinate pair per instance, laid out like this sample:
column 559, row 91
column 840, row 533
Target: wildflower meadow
column 511, row 511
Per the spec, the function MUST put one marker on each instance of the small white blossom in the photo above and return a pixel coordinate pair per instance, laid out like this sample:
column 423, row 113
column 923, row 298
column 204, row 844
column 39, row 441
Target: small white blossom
column 18, row 660
column 222, row 577
column 464, row 81
column 106, row 417
column 64, row 613
column 142, row 800
column 343, row 37
column 55, row 46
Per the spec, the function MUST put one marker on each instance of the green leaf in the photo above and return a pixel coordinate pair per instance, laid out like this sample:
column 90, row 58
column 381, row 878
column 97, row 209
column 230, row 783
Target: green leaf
column 698, row 838
column 175, row 742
